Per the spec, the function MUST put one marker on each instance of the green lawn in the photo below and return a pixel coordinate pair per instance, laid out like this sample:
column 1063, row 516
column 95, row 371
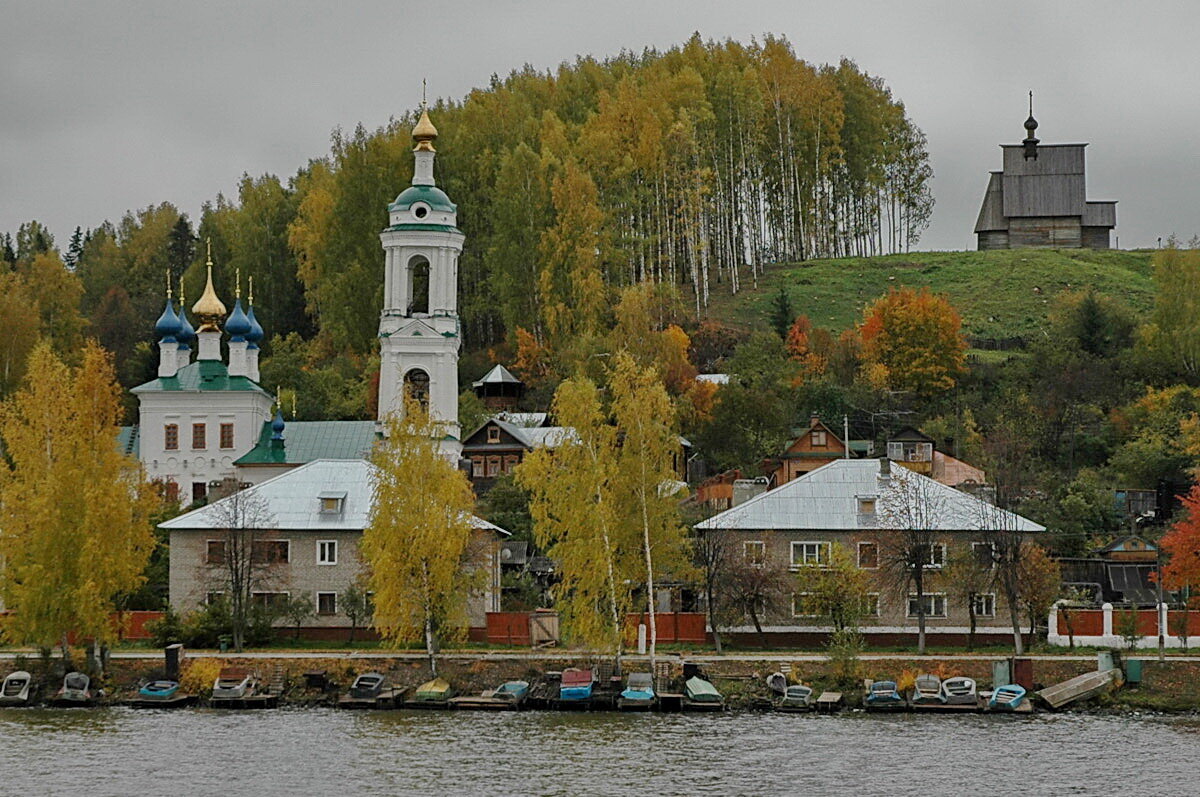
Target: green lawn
column 1000, row 294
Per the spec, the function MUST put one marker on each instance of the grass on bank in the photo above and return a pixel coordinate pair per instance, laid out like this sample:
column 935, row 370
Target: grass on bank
column 1001, row 294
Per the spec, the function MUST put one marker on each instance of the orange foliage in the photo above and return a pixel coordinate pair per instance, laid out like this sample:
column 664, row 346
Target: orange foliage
column 533, row 359
column 1182, row 544
column 800, row 342
column 913, row 341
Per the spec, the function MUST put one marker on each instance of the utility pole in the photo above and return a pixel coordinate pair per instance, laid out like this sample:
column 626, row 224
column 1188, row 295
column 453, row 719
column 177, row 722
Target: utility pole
column 846, row 435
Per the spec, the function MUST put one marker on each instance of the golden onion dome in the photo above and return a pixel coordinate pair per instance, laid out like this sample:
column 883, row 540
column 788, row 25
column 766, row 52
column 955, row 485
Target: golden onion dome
column 424, row 133
column 208, row 308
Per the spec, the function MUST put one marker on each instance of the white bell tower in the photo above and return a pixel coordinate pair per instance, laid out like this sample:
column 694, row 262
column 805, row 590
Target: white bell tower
column 419, row 330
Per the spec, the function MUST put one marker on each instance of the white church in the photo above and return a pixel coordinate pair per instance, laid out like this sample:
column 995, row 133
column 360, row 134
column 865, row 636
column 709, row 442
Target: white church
column 207, row 423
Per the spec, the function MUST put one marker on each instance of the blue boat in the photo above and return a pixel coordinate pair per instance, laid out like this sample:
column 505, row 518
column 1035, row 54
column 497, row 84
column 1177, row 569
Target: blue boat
column 884, row 696
column 159, row 690
column 638, row 693
column 576, row 685
column 513, row 691
column 1006, row 698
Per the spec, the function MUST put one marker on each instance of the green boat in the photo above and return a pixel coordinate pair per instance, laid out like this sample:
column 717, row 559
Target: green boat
column 436, row 691
column 701, row 695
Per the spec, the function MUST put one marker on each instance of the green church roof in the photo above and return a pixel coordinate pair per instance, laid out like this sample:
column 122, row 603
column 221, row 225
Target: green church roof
column 429, row 194
column 128, row 440
column 207, row 375
column 305, row 441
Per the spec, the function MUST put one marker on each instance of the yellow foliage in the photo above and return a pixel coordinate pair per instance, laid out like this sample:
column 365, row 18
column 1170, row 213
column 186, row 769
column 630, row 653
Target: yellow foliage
column 199, row 674
column 906, row 681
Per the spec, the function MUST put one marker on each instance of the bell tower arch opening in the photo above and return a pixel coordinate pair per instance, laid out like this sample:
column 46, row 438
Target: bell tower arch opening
column 418, row 285
column 416, row 387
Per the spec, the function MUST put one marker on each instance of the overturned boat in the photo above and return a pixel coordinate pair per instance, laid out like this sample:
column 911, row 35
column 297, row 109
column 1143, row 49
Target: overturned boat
column 884, row 696
column 19, row 689
column 927, row 691
column 700, row 695
column 434, row 693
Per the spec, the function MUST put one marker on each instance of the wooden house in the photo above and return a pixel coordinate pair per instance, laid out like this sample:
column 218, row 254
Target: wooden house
column 813, row 447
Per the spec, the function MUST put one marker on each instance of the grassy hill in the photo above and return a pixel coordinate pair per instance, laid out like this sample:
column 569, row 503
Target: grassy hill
column 1000, row 294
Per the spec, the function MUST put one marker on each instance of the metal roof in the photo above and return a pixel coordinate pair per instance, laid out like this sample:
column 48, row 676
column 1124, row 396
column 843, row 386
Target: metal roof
column 128, row 440
column 305, row 441
column 827, row 499
column 526, row 420
column 206, row 375
column 498, row 375
column 291, row 501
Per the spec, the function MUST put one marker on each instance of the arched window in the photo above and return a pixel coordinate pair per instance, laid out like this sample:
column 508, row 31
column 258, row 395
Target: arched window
column 418, row 294
column 416, row 386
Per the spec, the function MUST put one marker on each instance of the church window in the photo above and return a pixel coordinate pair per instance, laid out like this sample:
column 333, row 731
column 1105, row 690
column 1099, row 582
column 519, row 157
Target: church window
column 493, row 466
column 227, row 435
column 199, row 438
column 416, row 387
column 171, row 437
column 419, row 281
column 493, row 434
column 420, row 211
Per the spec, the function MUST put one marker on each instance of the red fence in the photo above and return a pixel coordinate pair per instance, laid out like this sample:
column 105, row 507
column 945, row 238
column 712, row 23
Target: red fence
column 1084, row 622
column 508, row 628
column 671, row 626
column 1090, row 622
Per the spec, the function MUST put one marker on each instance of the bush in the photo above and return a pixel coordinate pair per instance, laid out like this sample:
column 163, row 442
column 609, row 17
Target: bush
column 845, row 645
column 204, row 627
column 168, row 629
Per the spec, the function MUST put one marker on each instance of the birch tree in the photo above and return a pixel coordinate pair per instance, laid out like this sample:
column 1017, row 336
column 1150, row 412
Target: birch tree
column 74, row 512
column 418, row 539
column 239, row 562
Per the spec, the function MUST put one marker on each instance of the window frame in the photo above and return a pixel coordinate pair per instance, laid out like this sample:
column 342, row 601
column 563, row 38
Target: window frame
column 990, row 599
column 317, row 605
column 320, row 550
column 497, row 460
column 945, row 551
column 822, row 558
column 170, row 437
column 818, row 438
column 933, row 598
column 991, row 559
column 208, row 552
column 257, row 595
column 802, row 615
column 859, row 555
column 223, row 428
column 874, row 599
column 213, row 596
column 478, row 467
column 287, row 557
column 199, row 432
column 493, row 434
column 754, row 561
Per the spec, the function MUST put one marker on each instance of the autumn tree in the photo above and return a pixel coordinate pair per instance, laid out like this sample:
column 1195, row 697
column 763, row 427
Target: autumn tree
column 74, row 511
column 835, row 591
column 417, row 543
column 1172, row 335
column 575, row 519
column 969, row 575
column 1040, row 580
column 913, row 341
column 1181, row 544
column 241, row 560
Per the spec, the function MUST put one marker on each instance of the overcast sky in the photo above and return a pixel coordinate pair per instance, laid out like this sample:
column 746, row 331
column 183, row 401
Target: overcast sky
column 107, row 106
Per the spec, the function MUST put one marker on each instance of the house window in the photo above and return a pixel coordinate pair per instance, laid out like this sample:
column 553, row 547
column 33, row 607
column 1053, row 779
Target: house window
column 493, row 467
column 985, row 604
column 199, row 491
column 754, row 552
column 935, row 605
column 818, row 438
column 937, row 554
column 213, row 597
column 171, row 437
column 868, row 555
column 910, row 452
column 270, row 552
column 477, row 467
column 326, row 603
column 984, row 554
column 269, row 600
column 802, row 605
column 511, row 461
column 227, row 435
column 331, row 503
column 493, row 434
column 810, row 553
column 215, row 552
column 870, row 604
column 866, row 505
column 327, row 552
column 199, row 438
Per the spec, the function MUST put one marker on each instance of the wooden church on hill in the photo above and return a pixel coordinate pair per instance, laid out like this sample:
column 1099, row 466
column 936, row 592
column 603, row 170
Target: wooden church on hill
column 1038, row 199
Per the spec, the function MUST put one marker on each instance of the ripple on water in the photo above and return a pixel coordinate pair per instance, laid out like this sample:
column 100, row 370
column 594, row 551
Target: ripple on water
column 315, row 752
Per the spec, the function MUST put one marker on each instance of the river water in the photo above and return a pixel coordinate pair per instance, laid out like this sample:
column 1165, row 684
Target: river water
column 118, row 751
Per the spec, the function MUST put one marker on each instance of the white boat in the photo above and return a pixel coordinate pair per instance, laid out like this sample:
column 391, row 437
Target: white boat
column 959, row 691
column 17, row 690
column 234, row 683
column 927, row 690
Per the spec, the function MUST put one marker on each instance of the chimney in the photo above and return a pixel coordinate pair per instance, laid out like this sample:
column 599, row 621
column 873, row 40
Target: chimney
column 885, row 468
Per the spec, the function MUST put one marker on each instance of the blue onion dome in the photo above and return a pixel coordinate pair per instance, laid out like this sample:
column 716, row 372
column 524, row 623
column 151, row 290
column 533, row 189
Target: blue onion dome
column 277, row 425
column 186, row 335
column 167, row 326
column 237, row 325
column 256, row 331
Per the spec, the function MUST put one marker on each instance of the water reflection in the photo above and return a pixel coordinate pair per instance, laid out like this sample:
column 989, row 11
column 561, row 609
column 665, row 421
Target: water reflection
column 121, row 751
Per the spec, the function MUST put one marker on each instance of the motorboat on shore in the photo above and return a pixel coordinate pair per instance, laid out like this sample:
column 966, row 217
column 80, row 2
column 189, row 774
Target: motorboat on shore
column 796, row 697
column 76, row 691
column 367, row 686
column 234, row 683
column 884, row 696
column 158, row 690
column 960, row 691
column 927, row 690
column 19, row 689
column 433, row 693
column 777, row 683
column 638, row 694
column 576, row 685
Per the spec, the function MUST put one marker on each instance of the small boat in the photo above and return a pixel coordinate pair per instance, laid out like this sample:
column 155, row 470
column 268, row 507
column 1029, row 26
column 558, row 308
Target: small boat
column 234, row 683
column 883, row 696
column 512, row 691
column 367, row 686
column 76, row 691
column 1006, row 698
column 18, row 689
column 796, row 697
column 159, row 690
column 777, row 683
column 435, row 691
column 959, row 691
column 638, row 694
column 700, row 695
column 576, row 684
column 927, row 690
